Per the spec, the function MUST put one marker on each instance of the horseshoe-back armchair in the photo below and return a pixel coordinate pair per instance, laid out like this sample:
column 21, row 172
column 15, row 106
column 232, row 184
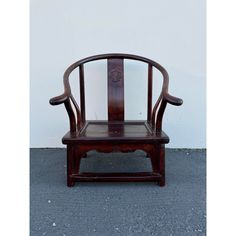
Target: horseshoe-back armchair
column 115, row 134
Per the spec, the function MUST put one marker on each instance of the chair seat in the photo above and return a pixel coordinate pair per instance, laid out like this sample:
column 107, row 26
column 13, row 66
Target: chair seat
column 117, row 131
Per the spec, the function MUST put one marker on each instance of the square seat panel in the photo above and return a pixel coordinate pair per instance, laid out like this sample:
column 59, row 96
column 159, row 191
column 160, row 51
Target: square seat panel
column 104, row 131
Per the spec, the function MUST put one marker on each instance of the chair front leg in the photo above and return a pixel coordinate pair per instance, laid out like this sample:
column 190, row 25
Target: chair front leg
column 70, row 165
column 161, row 164
column 73, row 163
column 157, row 157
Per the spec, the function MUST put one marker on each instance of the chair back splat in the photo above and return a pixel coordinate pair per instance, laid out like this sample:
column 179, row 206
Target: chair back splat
column 115, row 134
column 115, row 89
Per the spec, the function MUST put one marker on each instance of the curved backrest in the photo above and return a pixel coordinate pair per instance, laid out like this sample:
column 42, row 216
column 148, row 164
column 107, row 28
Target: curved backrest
column 115, row 77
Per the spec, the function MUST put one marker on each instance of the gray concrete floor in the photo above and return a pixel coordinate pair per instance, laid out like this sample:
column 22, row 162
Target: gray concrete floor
column 106, row 209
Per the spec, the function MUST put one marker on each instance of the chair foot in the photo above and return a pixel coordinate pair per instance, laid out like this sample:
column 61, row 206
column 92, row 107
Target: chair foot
column 161, row 182
column 84, row 155
column 70, row 183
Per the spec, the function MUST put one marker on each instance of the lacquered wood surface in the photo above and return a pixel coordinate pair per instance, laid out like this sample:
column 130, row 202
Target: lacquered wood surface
column 115, row 134
column 115, row 89
column 116, row 131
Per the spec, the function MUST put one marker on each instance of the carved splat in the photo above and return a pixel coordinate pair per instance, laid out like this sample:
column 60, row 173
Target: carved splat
column 115, row 89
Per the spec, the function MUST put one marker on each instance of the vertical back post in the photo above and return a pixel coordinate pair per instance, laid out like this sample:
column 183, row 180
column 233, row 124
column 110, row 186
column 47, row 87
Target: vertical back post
column 149, row 106
column 82, row 96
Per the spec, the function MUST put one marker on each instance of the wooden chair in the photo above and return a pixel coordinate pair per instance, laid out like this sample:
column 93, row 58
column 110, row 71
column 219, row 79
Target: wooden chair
column 116, row 134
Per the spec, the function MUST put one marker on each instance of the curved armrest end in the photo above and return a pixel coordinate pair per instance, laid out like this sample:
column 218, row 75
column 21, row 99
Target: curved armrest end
column 173, row 100
column 58, row 100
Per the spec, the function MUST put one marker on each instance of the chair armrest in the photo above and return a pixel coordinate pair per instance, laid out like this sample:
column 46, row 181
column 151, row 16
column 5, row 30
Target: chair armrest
column 173, row 100
column 59, row 99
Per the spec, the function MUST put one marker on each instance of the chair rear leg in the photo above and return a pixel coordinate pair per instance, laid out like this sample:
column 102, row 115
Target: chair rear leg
column 77, row 159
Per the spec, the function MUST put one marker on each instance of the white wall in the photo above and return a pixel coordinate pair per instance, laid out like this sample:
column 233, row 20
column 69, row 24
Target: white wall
column 170, row 32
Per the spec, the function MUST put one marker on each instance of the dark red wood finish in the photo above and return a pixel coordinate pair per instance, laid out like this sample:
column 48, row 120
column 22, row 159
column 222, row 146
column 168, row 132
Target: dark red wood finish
column 116, row 134
column 115, row 89
column 149, row 105
column 82, row 95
